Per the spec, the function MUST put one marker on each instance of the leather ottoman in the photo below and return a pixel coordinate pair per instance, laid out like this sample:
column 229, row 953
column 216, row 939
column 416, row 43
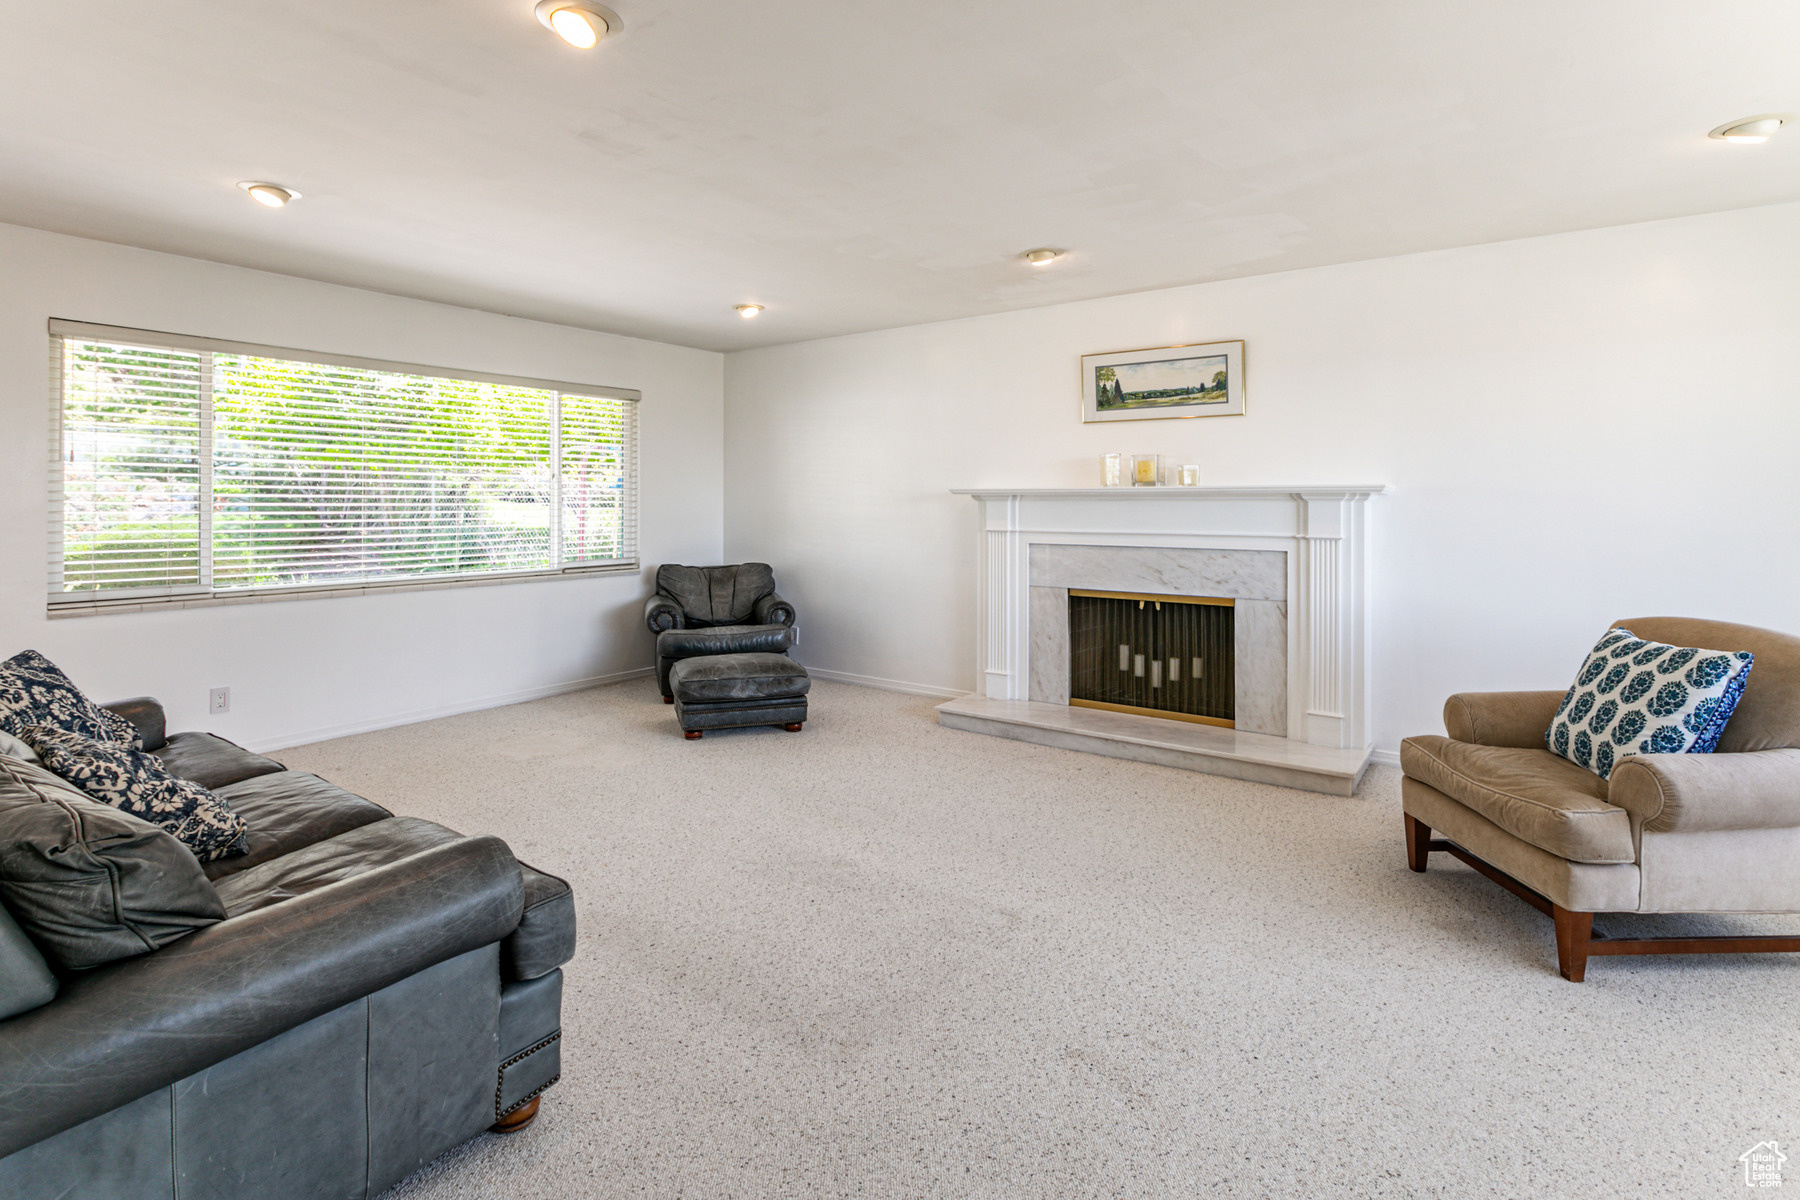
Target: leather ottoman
column 726, row 691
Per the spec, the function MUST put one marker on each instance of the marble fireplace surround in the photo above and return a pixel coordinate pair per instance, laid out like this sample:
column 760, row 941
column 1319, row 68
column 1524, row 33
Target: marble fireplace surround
column 1255, row 579
column 1295, row 558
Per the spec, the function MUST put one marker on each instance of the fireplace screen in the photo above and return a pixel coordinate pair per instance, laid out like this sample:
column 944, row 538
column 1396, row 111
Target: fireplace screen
column 1164, row 656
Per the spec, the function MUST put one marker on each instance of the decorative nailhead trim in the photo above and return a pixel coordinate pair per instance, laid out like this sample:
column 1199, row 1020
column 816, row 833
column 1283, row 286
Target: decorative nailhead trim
column 530, row 1096
column 522, row 1055
column 515, row 1060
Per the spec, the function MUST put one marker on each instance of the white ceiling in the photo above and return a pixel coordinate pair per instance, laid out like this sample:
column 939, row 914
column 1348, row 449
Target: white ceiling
column 857, row 166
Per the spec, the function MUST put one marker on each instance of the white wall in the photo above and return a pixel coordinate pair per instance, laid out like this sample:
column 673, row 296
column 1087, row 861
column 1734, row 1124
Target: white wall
column 302, row 669
column 1578, row 428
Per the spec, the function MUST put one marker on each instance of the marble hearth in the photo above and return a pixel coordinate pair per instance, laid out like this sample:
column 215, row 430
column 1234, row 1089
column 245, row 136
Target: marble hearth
column 1295, row 562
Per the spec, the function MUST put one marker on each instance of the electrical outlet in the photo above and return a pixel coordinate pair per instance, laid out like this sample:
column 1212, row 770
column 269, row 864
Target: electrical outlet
column 220, row 700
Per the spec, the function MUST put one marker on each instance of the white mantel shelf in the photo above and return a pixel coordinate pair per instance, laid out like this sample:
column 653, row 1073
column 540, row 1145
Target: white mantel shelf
column 1176, row 493
column 1323, row 532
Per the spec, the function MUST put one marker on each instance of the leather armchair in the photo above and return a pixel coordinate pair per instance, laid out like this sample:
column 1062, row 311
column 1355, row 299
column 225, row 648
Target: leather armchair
column 1668, row 833
column 700, row 611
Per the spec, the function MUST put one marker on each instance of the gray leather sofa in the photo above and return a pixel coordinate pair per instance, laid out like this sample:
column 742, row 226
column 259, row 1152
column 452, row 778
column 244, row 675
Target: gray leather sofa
column 381, row 990
column 700, row 611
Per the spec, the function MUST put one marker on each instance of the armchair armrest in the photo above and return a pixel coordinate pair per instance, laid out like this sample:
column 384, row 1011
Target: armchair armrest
column 772, row 610
column 146, row 713
column 662, row 613
column 123, row 1030
column 1517, row 719
column 1687, row 793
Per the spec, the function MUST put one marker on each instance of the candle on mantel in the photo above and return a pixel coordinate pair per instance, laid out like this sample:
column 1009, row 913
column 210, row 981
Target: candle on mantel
column 1145, row 470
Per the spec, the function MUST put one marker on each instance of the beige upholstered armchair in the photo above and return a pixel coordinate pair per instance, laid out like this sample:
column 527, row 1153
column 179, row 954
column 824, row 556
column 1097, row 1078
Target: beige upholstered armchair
column 1669, row 833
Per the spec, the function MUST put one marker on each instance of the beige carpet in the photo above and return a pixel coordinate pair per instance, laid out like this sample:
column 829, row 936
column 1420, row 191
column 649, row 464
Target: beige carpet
column 880, row 958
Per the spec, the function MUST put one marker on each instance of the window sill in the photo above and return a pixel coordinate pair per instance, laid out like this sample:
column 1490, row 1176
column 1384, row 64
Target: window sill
column 58, row 609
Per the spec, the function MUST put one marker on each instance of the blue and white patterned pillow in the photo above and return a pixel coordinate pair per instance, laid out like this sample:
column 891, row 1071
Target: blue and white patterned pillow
column 1639, row 697
column 34, row 691
column 135, row 782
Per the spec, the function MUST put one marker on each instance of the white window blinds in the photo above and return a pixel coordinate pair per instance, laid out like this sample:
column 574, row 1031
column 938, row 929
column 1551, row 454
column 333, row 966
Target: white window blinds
column 191, row 469
column 128, row 507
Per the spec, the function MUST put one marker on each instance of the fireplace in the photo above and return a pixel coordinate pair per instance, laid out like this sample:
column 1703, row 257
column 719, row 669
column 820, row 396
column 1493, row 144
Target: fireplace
column 1158, row 655
column 1285, row 664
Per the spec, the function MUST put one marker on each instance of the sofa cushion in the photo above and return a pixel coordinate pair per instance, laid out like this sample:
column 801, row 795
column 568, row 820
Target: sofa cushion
column 721, row 678
column 1578, row 887
column 1532, row 794
column 34, row 691
column 1634, row 696
column 134, row 782
column 18, row 749
column 345, row 856
column 724, row 639
column 543, row 941
column 211, row 761
column 545, row 938
column 26, row 980
column 89, row 883
column 287, row 811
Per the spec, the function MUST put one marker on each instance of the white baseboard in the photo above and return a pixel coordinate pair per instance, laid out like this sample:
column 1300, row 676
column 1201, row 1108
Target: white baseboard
column 268, row 745
column 1387, row 758
column 887, row 685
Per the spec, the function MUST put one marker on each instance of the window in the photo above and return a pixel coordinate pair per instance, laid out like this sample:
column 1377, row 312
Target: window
column 187, row 469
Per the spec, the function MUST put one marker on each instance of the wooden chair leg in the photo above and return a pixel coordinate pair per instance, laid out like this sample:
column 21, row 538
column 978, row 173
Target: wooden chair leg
column 794, row 728
column 1574, row 930
column 1575, row 940
column 1418, row 842
column 693, row 735
column 668, row 699
column 517, row 1119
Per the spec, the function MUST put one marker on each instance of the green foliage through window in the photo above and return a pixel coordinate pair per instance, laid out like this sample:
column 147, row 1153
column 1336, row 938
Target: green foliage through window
column 214, row 472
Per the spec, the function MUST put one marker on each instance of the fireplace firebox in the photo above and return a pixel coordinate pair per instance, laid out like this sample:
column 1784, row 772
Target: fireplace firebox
column 1162, row 656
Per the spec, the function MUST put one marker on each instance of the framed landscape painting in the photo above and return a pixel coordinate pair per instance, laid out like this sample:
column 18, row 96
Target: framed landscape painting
column 1176, row 381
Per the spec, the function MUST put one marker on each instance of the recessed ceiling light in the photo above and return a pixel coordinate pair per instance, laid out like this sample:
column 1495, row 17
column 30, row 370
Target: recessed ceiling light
column 747, row 311
column 577, row 22
column 1752, row 131
column 271, row 194
column 1041, row 257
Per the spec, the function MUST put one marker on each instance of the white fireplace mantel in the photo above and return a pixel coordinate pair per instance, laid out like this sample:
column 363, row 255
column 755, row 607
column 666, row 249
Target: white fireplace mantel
column 1323, row 531
column 1175, row 494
